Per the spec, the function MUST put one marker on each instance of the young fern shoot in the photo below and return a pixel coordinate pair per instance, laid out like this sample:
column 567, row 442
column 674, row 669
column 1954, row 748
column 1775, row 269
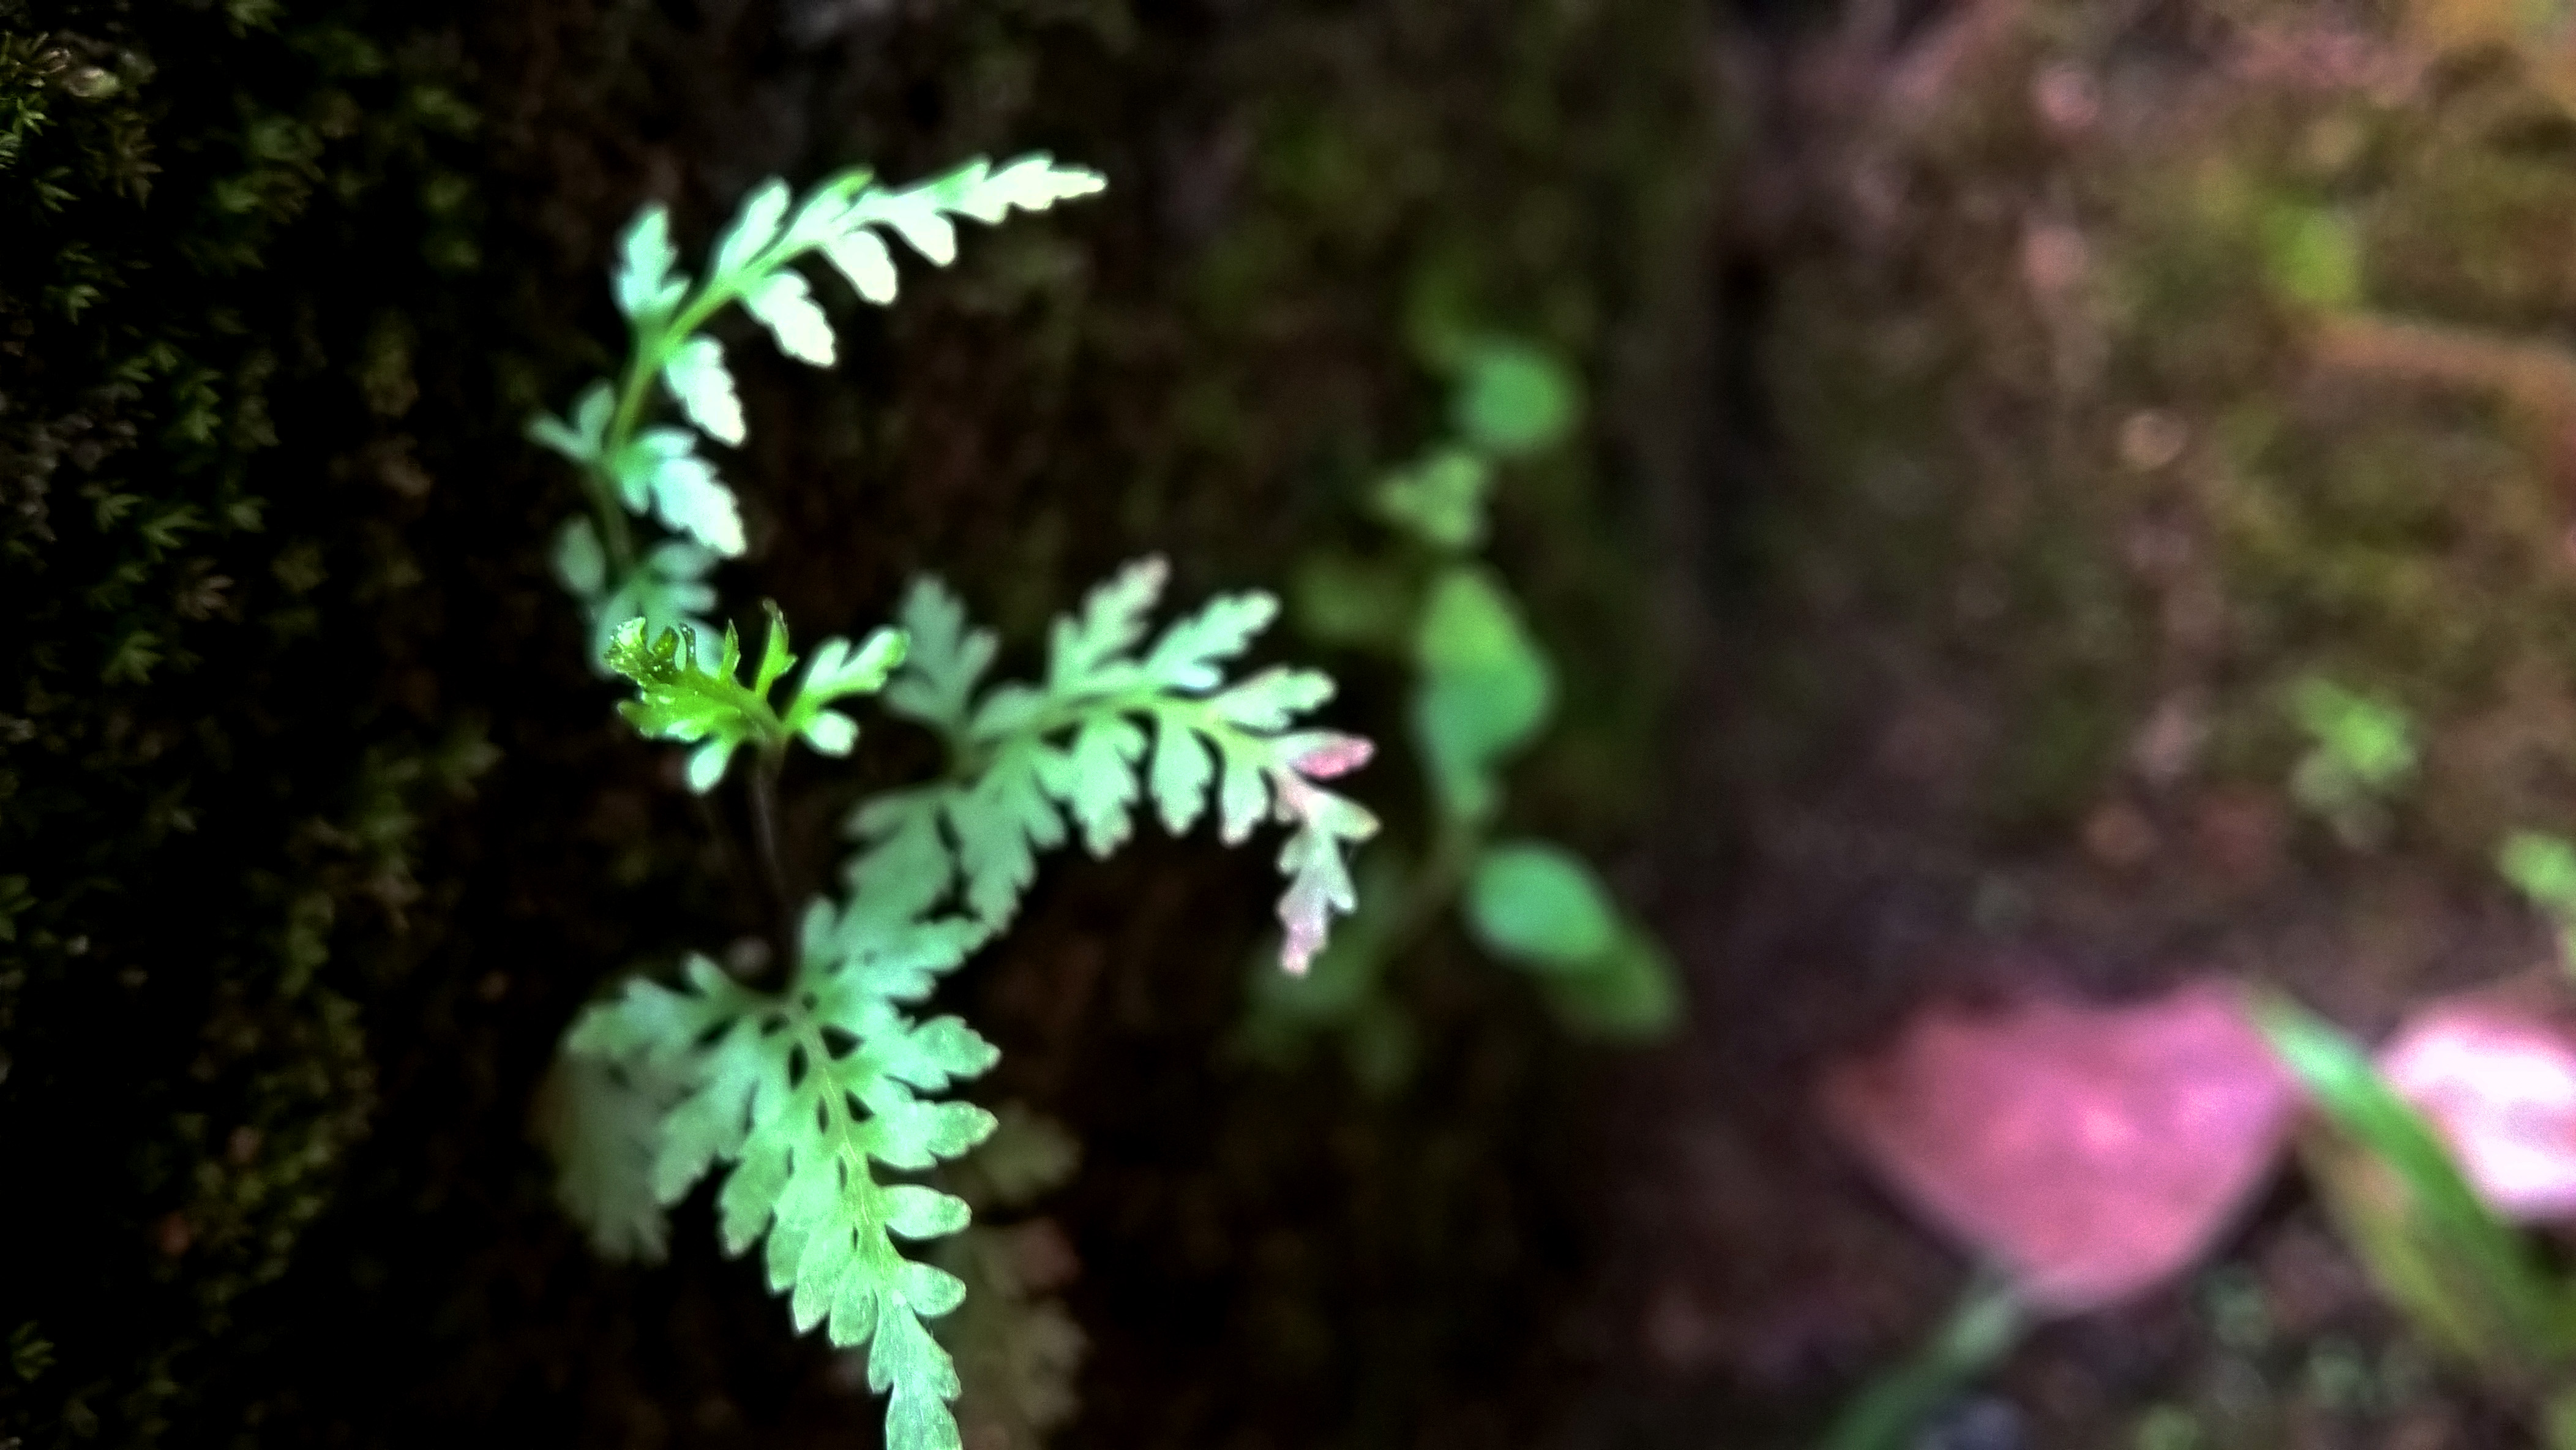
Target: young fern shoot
column 814, row 1097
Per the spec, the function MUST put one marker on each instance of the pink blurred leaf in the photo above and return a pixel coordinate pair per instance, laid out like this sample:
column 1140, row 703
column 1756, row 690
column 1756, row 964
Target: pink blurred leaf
column 2091, row 1151
column 2495, row 1073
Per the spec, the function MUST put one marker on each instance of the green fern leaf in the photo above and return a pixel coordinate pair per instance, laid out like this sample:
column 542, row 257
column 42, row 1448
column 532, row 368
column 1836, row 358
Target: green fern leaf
column 667, row 591
column 584, row 436
column 1027, row 756
column 946, row 662
column 602, row 1122
column 839, row 671
column 908, row 859
column 661, row 470
column 647, row 287
column 1002, row 821
column 681, row 697
column 861, row 256
column 581, row 563
column 1087, row 649
column 806, row 1094
column 697, row 377
column 785, row 305
column 1486, row 689
column 754, row 228
column 1440, row 500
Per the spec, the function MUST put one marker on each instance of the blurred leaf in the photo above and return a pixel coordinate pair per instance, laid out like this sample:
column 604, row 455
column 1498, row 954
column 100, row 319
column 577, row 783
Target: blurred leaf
column 603, row 1123
column 1343, row 980
column 1630, row 992
column 1486, row 689
column 2314, row 255
column 1538, row 905
column 2543, row 867
column 1440, row 500
column 2371, row 740
column 1343, row 600
column 1028, row 1156
column 1440, row 307
column 1018, row 1349
column 2362, row 751
column 1514, row 399
column 2430, row 1242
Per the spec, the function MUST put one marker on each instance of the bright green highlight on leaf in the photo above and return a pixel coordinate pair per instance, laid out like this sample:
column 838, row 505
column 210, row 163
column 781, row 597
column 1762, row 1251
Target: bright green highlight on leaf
column 683, row 697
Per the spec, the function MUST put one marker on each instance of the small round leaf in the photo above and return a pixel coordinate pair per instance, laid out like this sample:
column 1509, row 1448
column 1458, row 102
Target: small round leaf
column 1539, row 905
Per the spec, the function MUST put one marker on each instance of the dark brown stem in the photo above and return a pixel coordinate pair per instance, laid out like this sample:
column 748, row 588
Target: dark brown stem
column 785, row 943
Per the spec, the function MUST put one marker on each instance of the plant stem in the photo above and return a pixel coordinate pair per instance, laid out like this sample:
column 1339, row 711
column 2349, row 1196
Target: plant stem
column 763, row 783
column 1984, row 1326
column 1443, row 875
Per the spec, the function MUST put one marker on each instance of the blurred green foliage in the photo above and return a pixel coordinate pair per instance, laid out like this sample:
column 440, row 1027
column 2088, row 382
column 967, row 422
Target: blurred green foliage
column 2472, row 1285
column 2362, row 751
column 2543, row 868
column 1484, row 691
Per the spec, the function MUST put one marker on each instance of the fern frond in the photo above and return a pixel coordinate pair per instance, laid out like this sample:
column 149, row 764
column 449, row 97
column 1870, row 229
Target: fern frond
column 804, row 1094
column 657, row 472
column 1034, row 763
column 602, row 1122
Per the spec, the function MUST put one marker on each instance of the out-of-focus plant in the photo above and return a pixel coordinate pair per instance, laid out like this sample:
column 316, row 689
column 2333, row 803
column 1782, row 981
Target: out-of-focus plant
column 2543, row 867
column 1982, row 1328
column 2081, row 1154
column 817, row 1093
column 2436, row 1247
column 1483, row 693
column 1017, row 1346
column 2361, row 753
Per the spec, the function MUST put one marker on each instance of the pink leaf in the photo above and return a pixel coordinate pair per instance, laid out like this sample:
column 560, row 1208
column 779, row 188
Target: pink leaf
column 2091, row 1151
column 1333, row 755
column 2495, row 1072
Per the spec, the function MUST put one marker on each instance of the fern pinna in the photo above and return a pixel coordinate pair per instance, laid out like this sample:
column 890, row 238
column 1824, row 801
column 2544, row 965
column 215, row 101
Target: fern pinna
column 815, row 1096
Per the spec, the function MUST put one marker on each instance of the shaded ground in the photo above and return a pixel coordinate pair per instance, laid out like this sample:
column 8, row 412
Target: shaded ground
column 2062, row 462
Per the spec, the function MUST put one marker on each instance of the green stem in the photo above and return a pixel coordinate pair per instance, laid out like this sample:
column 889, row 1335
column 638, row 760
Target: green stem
column 1982, row 1328
column 1431, row 893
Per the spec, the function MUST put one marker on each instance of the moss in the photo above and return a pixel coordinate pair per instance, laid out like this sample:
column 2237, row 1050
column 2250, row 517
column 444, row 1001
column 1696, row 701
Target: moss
column 2187, row 398
column 209, row 857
